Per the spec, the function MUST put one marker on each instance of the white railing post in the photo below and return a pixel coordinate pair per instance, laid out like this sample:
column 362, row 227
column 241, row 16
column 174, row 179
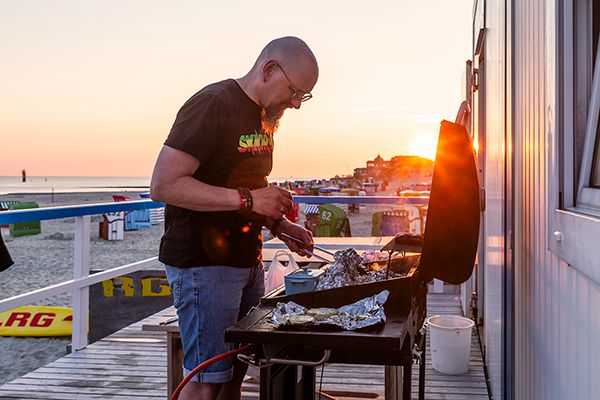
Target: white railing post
column 81, row 260
column 438, row 286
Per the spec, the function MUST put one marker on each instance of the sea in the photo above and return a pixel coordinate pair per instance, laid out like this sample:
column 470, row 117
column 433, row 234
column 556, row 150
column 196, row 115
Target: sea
column 76, row 184
column 72, row 184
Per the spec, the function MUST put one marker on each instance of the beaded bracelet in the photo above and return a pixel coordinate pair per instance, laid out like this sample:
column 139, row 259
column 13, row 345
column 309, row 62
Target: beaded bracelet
column 245, row 200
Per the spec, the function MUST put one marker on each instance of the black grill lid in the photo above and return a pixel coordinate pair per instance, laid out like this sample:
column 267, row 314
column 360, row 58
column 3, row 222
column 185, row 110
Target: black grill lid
column 405, row 242
column 452, row 227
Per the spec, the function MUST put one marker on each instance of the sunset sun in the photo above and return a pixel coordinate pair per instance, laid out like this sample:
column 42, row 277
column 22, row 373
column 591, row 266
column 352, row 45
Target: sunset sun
column 424, row 145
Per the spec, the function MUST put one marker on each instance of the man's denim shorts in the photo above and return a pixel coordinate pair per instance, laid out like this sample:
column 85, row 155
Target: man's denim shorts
column 209, row 299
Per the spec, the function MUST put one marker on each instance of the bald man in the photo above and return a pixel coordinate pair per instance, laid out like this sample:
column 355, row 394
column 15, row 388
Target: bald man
column 212, row 174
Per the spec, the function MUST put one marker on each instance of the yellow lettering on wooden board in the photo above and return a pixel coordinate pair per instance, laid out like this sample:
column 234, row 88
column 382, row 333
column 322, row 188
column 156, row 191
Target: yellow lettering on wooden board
column 124, row 282
column 153, row 286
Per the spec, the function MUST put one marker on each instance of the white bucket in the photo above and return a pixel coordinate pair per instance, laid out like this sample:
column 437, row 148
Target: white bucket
column 450, row 337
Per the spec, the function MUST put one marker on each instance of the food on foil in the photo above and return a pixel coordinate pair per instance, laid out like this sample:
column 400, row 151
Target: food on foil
column 300, row 319
column 372, row 256
column 361, row 314
column 348, row 257
column 375, row 260
column 322, row 312
column 348, row 269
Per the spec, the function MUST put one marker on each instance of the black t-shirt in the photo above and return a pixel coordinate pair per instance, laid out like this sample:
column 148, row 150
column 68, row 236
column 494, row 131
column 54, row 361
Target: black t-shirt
column 5, row 260
column 220, row 126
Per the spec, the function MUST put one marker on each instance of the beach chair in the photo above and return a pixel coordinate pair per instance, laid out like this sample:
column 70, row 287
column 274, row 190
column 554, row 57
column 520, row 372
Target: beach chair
column 327, row 220
column 157, row 215
column 390, row 223
column 4, row 206
column 135, row 219
column 127, row 215
column 112, row 226
column 118, row 198
column 422, row 217
column 25, row 228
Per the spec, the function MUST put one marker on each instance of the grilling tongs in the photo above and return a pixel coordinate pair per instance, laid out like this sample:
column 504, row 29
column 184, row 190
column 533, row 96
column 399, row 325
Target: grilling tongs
column 300, row 242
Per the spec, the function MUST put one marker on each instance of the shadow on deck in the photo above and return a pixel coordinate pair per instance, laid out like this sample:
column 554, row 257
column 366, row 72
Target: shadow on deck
column 131, row 364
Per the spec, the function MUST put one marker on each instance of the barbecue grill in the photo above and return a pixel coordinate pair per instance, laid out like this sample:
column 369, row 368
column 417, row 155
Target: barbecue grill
column 448, row 253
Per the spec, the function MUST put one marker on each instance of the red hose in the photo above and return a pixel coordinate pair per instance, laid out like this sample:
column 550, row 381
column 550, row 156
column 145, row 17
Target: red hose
column 205, row 364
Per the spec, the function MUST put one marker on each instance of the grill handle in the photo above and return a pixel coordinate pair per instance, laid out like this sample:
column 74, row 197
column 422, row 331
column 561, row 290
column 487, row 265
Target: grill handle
column 424, row 327
column 250, row 360
column 304, row 363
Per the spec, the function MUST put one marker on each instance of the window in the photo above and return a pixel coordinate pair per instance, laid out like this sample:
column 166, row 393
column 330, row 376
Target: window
column 576, row 217
column 588, row 191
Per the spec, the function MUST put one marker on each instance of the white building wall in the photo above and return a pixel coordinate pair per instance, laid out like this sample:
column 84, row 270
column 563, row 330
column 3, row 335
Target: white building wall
column 494, row 127
column 557, row 309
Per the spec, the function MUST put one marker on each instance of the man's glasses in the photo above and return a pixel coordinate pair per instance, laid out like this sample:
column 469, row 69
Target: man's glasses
column 296, row 94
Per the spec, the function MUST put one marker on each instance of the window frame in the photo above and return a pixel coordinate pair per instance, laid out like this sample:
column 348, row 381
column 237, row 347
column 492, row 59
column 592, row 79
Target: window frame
column 588, row 196
column 575, row 211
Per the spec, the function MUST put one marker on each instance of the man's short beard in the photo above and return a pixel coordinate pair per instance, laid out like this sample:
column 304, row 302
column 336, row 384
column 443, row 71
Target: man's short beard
column 270, row 117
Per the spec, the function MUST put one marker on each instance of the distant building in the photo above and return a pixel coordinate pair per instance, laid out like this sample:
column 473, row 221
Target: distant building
column 377, row 165
column 412, row 168
column 374, row 169
column 360, row 174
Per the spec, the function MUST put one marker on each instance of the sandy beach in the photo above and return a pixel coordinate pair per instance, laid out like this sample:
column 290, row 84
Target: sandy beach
column 47, row 258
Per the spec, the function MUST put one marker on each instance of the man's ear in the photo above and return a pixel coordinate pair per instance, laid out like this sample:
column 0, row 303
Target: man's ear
column 268, row 68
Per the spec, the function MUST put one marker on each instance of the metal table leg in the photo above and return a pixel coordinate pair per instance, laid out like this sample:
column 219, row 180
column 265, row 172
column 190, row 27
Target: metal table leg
column 278, row 382
column 422, row 366
column 393, row 383
column 174, row 362
column 307, row 383
column 406, row 381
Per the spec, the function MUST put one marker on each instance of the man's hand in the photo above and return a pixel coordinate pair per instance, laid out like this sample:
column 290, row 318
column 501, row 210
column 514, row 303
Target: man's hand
column 272, row 201
column 298, row 232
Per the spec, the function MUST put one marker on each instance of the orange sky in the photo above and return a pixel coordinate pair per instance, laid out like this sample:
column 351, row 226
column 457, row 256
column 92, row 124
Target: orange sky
column 92, row 88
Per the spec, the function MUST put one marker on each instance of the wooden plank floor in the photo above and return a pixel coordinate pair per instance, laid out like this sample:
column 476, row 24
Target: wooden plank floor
column 131, row 364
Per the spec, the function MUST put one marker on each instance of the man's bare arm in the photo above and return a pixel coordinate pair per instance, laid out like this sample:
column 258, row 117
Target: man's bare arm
column 173, row 183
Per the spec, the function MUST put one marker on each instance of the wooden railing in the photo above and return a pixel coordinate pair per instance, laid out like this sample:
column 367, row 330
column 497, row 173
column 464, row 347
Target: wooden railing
column 82, row 280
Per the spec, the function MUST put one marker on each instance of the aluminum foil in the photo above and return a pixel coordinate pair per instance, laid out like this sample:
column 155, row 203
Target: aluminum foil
column 348, row 270
column 347, row 257
column 361, row 314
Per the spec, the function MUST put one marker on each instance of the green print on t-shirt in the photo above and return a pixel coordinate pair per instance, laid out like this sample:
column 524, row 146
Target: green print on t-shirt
column 256, row 143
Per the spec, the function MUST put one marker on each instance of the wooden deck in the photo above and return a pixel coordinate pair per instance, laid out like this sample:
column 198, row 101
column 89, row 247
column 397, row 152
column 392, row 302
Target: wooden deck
column 131, row 364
